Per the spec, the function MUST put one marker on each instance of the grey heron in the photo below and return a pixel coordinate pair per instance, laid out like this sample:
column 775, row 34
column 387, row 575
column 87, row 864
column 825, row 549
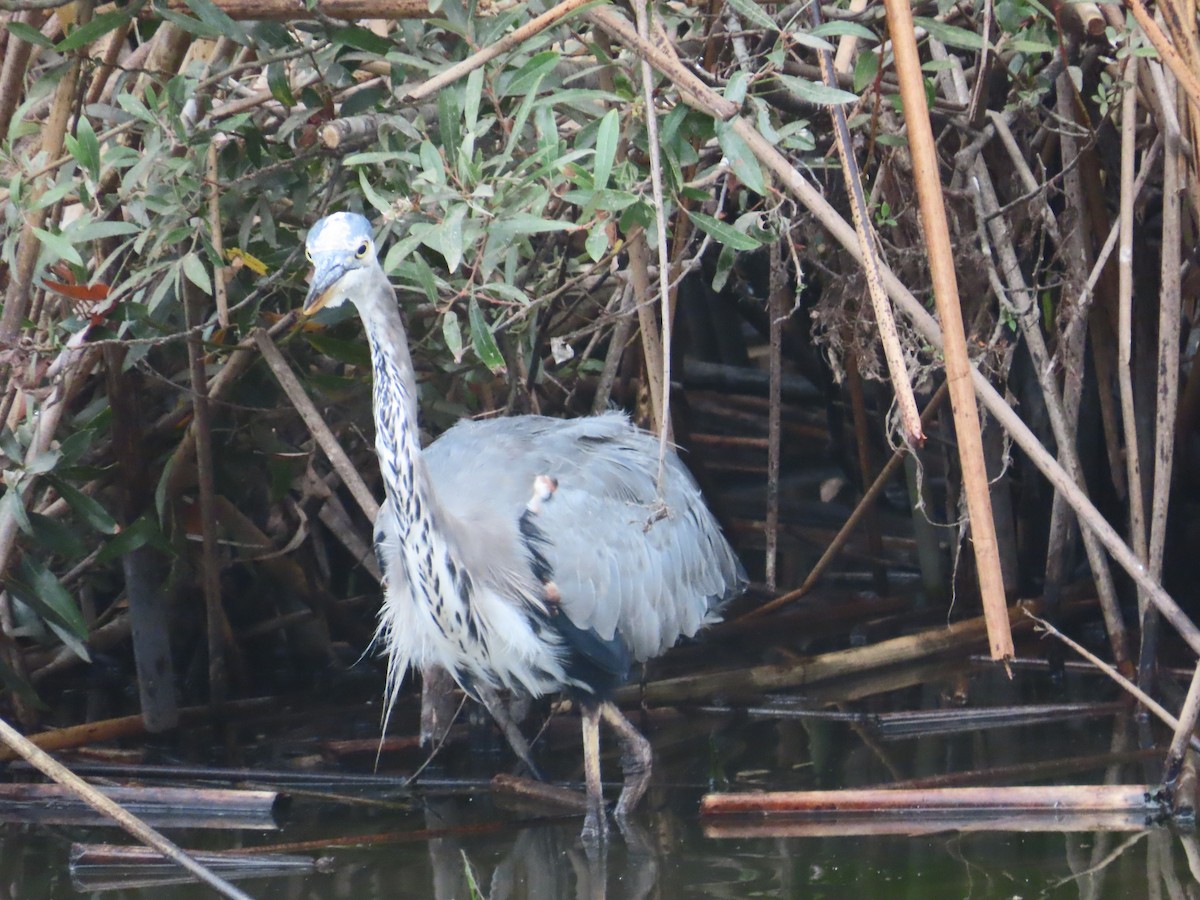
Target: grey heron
column 517, row 551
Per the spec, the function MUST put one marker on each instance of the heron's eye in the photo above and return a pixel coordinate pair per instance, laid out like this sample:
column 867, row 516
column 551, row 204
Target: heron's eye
column 362, row 250
column 308, row 255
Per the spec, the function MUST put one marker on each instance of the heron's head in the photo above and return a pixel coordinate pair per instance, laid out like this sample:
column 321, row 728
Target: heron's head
column 342, row 252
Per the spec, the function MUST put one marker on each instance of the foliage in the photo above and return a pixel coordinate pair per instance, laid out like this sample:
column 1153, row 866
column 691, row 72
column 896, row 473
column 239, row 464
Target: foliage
column 503, row 203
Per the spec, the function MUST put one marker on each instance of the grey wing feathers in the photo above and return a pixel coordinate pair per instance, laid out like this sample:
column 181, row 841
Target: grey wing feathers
column 615, row 568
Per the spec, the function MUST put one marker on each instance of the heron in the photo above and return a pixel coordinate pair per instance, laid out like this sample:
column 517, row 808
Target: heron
column 523, row 553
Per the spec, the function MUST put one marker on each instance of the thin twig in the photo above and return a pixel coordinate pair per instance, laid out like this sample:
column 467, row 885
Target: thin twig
column 643, row 13
column 889, row 338
column 316, row 425
column 1141, row 696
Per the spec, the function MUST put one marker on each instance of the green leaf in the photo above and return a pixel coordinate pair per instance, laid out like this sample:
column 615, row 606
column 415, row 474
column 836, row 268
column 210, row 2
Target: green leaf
column 866, row 67
column 87, row 148
column 8, row 674
column 56, row 537
column 482, row 339
column 723, row 232
column 526, row 79
column 362, row 39
column 450, row 236
column 28, row 34
column 452, row 333
column 142, row 532
column 85, row 34
column 812, row 92
column 59, row 246
column 841, row 29
column 743, row 162
column 606, row 148
column 218, row 20
column 736, row 87
column 525, row 223
column 197, row 274
column 725, row 261
column 471, row 99
column 15, row 503
column 353, row 353
column 39, row 589
column 950, row 35
column 10, row 446
column 279, row 85
column 95, row 231
column 43, row 463
column 754, row 14
column 596, row 244
column 806, row 39
column 505, row 291
column 135, row 107
column 84, row 506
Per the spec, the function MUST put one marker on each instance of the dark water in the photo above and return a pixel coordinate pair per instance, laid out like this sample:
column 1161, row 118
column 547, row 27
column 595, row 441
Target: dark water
column 425, row 844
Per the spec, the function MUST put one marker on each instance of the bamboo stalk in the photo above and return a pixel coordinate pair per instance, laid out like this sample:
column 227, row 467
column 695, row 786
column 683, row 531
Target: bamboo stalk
column 166, row 806
column 1051, row 799
column 954, row 348
column 1026, row 312
column 102, row 804
column 956, row 637
column 217, row 626
column 1133, row 467
column 776, row 309
column 1167, row 396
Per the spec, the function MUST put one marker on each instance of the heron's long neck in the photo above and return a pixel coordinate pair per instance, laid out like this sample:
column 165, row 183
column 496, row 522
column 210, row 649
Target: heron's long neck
column 397, row 440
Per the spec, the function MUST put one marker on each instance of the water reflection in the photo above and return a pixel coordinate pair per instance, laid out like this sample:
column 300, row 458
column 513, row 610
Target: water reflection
column 423, row 846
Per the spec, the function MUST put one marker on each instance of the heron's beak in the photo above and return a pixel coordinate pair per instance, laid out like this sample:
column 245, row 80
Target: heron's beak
column 324, row 280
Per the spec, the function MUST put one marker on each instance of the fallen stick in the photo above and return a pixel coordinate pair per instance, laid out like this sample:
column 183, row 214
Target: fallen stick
column 102, row 804
column 759, row 679
column 130, row 726
column 165, row 806
column 1053, row 799
column 540, row 791
column 108, row 867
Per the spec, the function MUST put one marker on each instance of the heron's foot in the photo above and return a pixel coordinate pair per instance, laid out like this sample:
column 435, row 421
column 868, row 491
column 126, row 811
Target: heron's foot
column 636, row 760
column 635, row 765
column 595, row 825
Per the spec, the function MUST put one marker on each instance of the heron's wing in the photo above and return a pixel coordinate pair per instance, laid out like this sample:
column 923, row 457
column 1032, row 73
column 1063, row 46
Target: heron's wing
column 617, row 568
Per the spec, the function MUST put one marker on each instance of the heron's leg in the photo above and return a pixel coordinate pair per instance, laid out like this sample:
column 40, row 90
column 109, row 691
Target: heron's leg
column 595, row 825
column 636, row 758
column 438, row 705
column 496, row 705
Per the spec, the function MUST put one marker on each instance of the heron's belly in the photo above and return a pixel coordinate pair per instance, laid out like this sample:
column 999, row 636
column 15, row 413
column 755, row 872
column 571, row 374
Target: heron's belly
column 484, row 639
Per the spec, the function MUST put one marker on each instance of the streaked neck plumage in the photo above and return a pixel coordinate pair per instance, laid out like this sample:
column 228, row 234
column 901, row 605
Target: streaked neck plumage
column 397, row 439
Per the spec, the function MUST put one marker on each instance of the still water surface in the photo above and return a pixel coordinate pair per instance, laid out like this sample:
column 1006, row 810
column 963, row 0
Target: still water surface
column 423, row 845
